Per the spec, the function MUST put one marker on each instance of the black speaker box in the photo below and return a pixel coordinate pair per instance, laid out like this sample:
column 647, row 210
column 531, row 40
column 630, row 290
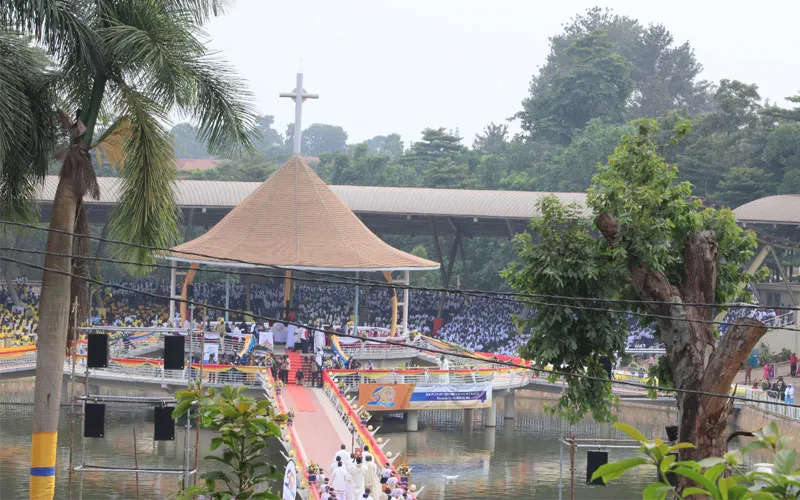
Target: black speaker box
column 164, row 424
column 594, row 460
column 672, row 433
column 97, row 350
column 173, row 352
column 94, row 423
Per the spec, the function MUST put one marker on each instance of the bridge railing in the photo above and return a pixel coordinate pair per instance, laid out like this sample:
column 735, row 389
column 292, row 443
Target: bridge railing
column 768, row 403
column 17, row 360
column 504, row 378
column 150, row 370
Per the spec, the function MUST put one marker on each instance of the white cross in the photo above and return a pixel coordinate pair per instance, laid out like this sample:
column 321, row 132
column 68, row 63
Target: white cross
column 299, row 95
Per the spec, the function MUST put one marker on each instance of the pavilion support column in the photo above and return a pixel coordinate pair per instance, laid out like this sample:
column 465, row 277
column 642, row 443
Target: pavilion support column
column 185, row 290
column 173, row 275
column 227, row 295
column 406, row 282
column 393, row 328
column 463, row 253
column 355, row 307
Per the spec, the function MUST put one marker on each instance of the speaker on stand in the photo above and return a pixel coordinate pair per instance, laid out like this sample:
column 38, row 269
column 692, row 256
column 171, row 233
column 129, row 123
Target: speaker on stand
column 174, row 352
column 97, row 350
column 595, row 459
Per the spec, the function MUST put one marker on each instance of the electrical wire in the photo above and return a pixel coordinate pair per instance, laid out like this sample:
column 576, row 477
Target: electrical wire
column 459, row 292
column 419, row 348
column 380, row 284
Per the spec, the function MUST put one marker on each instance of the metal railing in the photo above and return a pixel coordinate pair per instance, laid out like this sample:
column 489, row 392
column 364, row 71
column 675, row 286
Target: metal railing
column 500, row 379
column 781, row 321
column 151, row 371
column 767, row 402
column 18, row 363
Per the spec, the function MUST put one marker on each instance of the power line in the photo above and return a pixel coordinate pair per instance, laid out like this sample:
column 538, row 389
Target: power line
column 486, row 295
column 419, row 348
column 381, row 284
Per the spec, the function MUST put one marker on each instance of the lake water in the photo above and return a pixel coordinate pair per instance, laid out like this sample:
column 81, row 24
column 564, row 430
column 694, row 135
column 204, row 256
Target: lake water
column 518, row 459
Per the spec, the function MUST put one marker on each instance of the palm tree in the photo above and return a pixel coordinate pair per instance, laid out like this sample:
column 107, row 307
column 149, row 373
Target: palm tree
column 130, row 63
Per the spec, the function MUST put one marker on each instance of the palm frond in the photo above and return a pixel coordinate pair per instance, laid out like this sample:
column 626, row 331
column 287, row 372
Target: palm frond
column 161, row 45
column 146, row 213
column 63, row 27
column 112, row 142
column 28, row 128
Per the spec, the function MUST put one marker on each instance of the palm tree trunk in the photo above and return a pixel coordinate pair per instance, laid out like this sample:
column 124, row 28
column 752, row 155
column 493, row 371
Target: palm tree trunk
column 54, row 321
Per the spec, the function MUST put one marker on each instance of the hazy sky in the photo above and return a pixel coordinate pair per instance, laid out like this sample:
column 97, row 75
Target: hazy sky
column 400, row 66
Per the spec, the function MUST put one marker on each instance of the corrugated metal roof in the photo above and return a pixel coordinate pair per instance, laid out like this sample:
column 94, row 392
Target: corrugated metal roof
column 780, row 209
column 362, row 199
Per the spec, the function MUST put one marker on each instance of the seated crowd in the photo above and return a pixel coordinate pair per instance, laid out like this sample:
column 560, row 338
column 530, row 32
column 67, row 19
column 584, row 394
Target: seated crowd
column 477, row 323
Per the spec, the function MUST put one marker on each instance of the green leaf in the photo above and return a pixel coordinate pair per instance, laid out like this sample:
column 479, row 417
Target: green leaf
column 680, row 446
column 784, row 461
column 655, row 491
column 696, row 491
column 215, row 443
column 695, row 476
column 609, row 472
column 631, row 431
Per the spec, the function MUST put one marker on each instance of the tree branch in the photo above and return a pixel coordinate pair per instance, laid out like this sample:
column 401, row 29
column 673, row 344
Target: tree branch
column 699, row 280
column 727, row 358
column 608, row 226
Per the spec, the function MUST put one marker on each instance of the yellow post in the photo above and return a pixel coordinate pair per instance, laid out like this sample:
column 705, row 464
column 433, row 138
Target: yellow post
column 287, row 288
column 43, row 466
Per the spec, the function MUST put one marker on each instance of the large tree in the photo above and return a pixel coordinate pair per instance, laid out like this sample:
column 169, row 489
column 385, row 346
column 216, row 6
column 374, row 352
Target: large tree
column 135, row 61
column 650, row 241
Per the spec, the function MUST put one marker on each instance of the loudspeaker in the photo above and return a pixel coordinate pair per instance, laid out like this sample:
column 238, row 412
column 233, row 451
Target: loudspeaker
column 173, row 352
column 594, row 459
column 97, row 350
column 94, row 423
column 672, row 433
column 164, row 424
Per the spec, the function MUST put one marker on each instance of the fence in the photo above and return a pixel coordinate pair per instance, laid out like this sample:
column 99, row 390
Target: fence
column 768, row 403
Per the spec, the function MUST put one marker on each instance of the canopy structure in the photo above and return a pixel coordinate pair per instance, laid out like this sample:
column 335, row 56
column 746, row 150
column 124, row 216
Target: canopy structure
column 293, row 221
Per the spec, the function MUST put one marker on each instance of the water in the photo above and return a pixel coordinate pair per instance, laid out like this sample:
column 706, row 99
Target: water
column 518, row 459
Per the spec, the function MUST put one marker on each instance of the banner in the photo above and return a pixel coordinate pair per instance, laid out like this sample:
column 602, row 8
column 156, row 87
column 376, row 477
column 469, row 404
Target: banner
column 384, row 397
column 396, row 397
column 451, row 396
column 290, row 482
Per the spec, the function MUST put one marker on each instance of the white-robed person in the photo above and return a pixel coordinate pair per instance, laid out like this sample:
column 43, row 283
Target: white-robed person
column 290, row 330
column 356, row 472
column 319, row 338
column 339, row 481
column 371, row 472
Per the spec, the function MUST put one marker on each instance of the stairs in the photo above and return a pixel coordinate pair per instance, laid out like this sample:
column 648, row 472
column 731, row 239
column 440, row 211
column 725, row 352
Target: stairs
column 297, row 363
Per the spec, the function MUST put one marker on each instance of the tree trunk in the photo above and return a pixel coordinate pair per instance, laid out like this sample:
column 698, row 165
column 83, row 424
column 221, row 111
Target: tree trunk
column 697, row 360
column 53, row 324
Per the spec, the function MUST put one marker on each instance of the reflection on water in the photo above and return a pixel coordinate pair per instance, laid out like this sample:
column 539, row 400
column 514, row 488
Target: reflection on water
column 115, row 450
column 518, row 459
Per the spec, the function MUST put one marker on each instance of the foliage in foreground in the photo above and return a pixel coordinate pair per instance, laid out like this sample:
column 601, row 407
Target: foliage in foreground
column 719, row 478
column 244, row 426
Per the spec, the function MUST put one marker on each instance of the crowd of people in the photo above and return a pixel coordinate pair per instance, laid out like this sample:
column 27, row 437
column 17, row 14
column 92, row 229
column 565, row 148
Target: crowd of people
column 18, row 321
column 475, row 322
column 357, row 475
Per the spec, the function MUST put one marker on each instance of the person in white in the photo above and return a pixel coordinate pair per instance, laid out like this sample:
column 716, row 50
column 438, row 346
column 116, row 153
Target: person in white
column 356, row 472
column 339, row 481
column 319, row 339
column 342, row 454
column 444, row 364
column 371, row 481
column 290, row 337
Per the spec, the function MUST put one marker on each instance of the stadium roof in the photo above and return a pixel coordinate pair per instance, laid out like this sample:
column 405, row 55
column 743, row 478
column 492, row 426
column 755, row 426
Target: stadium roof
column 385, row 210
column 293, row 220
column 782, row 209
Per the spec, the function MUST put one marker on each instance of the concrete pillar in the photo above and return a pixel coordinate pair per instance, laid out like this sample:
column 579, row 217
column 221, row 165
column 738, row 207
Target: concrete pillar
column 469, row 415
column 412, row 421
column 490, row 437
column 490, row 415
column 508, row 411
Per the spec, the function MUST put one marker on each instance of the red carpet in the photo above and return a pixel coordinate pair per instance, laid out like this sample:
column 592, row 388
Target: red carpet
column 297, row 363
column 302, row 402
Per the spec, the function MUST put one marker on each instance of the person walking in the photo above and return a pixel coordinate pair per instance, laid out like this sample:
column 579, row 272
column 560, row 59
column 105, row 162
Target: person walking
column 793, row 364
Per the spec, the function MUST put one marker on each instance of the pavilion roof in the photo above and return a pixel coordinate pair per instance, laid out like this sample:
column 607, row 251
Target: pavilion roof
column 293, row 220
